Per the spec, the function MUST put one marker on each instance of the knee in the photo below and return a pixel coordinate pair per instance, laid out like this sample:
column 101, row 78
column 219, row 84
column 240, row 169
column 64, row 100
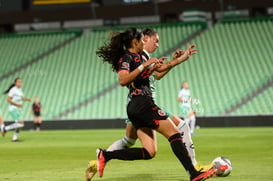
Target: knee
column 152, row 153
column 148, row 154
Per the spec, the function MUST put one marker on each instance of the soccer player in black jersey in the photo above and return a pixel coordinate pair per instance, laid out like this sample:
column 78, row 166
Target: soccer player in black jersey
column 123, row 53
column 36, row 110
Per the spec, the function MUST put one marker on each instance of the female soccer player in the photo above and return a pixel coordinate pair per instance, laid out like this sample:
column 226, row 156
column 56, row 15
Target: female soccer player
column 184, row 97
column 15, row 98
column 36, row 110
column 123, row 53
column 151, row 43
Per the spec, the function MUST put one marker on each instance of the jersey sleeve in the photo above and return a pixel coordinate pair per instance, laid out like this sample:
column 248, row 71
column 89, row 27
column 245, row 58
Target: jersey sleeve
column 180, row 94
column 11, row 92
column 124, row 63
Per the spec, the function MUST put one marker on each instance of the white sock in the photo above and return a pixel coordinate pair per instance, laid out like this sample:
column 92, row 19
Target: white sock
column 15, row 136
column 184, row 129
column 123, row 143
column 13, row 126
column 192, row 123
column 2, row 127
column 187, row 120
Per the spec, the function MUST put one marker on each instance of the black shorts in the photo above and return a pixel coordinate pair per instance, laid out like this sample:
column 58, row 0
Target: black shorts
column 37, row 113
column 143, row 112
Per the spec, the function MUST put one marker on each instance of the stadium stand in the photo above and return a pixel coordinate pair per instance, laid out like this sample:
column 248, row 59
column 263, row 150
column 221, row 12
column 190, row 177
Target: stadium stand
column 260, row 105
column 225, row 69
column 16, row 50
column 223, row 72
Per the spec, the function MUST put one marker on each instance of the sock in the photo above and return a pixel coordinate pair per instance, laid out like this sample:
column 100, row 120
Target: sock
column 13, row 126
column 123, row 143
column 187, row 120
column 182, row 154
column 16, row 134
column 192, row 123
column 2, row 127
column 127, row 154
column 186, row 138
column 35, row 126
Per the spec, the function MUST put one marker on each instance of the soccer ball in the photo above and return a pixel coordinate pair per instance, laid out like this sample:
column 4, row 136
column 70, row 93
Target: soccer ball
column 223, row 166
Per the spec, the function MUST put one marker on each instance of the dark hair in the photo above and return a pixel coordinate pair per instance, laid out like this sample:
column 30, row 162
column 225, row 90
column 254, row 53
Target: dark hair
column 119, row 43
column 11, row 86
column 149, row 32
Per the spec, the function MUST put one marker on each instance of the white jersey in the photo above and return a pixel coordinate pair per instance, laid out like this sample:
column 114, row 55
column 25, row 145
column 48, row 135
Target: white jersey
column 185, row 95
column 16, row 95
column 152, row 77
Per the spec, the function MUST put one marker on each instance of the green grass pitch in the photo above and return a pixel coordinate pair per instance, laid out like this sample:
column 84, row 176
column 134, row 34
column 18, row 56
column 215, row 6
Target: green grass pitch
column 63, row 155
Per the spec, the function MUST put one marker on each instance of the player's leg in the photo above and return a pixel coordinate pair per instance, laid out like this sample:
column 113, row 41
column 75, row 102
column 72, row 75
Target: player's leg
column 35, row 122
column 184, row 130
column 127, row 141
column 192, row 121
column 16, row 116
column 147, row 137
column 39, row 122
column 185, row 114
column 168, row 129
column 2, row 125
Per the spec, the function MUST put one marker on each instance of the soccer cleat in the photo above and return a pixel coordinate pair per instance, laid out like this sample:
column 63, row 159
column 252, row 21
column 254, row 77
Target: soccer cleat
column 100, row 162
column 91, row 170
column 205, row 175
column 3, row 131
column 203, row 168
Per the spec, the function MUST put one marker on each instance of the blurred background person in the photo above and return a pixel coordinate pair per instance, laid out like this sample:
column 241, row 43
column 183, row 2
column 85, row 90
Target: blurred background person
column 184, row 97
column 36, row 110
column 16, row 99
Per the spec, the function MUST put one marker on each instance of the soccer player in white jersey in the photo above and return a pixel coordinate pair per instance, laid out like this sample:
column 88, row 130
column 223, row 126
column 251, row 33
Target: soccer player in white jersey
column 184, row 97
column 151, row 39
column 15, row 98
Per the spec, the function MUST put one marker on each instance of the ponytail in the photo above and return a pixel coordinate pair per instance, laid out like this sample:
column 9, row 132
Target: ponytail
column 11, row 86
column 112, row 51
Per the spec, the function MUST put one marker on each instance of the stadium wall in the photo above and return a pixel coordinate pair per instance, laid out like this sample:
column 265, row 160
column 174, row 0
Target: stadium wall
column 208, row 121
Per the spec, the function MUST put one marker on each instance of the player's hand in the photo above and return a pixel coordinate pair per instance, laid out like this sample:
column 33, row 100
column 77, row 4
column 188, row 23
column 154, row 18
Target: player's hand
column 189, row 52
column 150, row 61
column 178, row 53
column 161, row 61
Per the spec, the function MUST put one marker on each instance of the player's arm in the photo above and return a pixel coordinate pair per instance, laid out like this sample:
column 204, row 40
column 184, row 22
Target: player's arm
column 179, row 99
column 178, row 57
column 26, row 99
column 167, row 66
column 9, row 99
column 126, row 77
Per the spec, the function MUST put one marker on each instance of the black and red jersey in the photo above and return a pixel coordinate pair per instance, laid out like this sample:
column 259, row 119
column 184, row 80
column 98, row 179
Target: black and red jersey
column 140, row 85
column 36, row 107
